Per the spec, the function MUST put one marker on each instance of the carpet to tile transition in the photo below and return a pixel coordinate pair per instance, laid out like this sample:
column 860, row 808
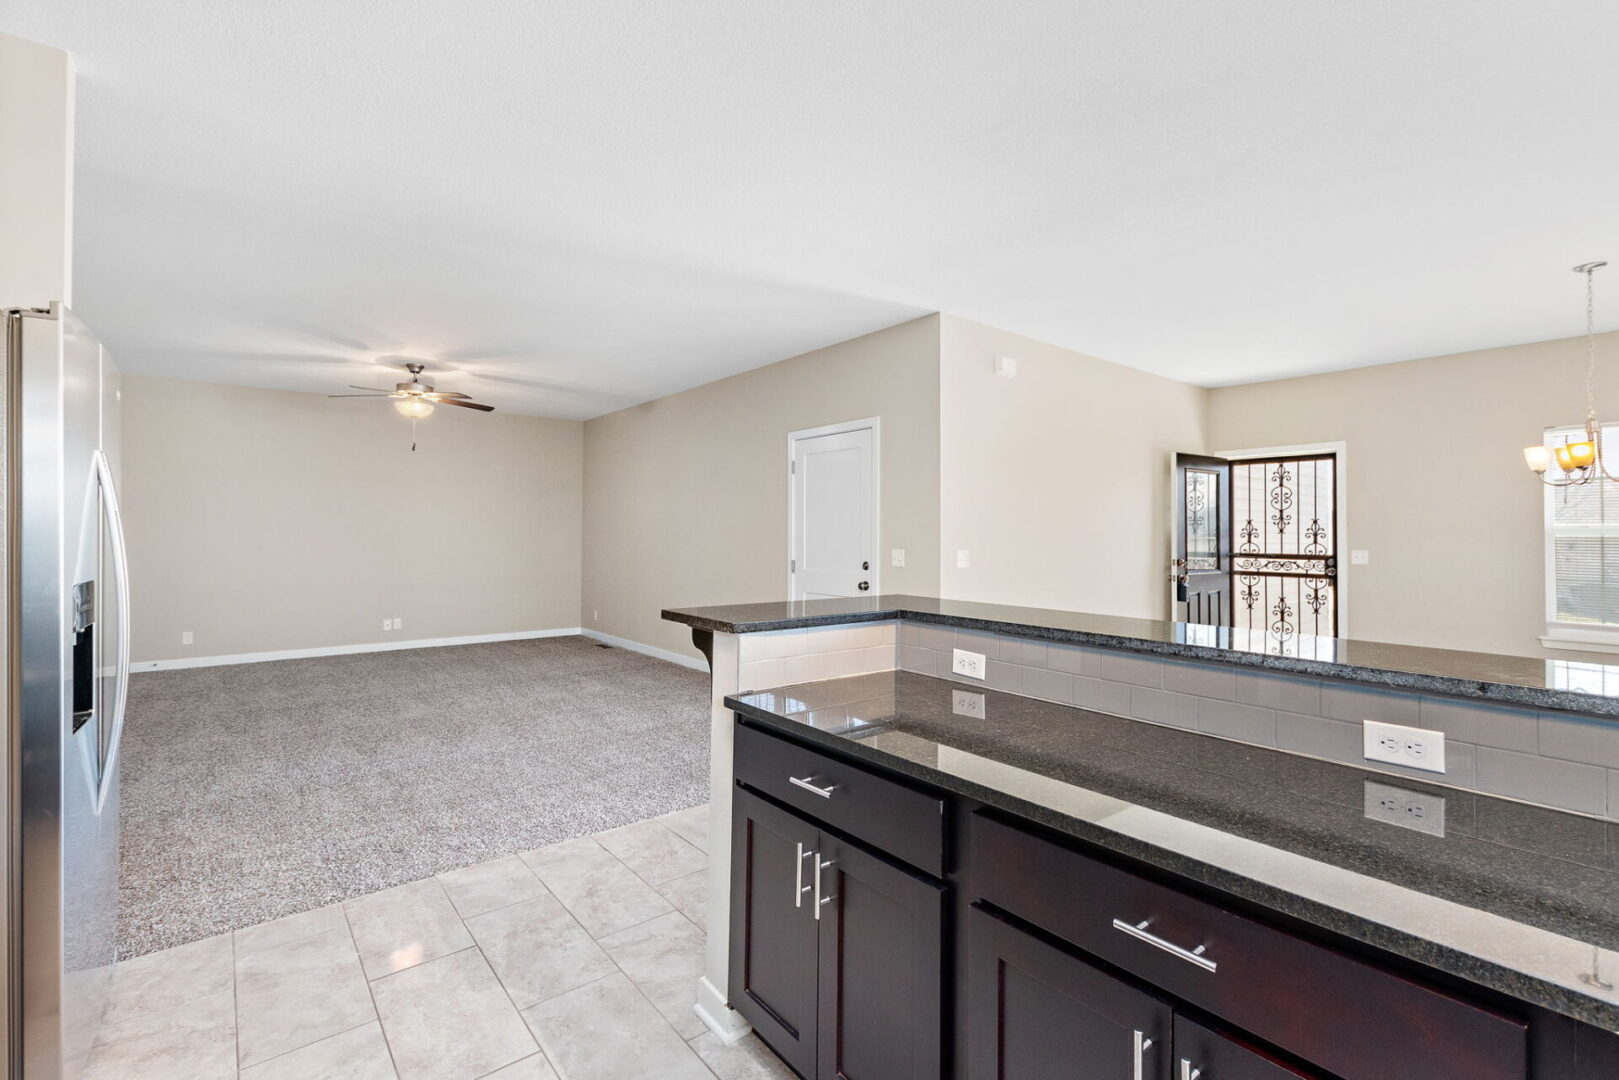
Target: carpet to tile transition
column 258, row 790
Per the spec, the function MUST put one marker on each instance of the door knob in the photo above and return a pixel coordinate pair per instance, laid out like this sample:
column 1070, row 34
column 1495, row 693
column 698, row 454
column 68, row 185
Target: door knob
column 864, row 586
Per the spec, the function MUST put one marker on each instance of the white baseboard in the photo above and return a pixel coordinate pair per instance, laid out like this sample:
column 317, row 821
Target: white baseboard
column 713, row 1010
column 341, row 650
column 696, row 663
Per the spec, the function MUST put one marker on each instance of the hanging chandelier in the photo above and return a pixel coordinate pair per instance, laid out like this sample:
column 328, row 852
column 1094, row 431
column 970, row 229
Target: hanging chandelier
column 1581, row 461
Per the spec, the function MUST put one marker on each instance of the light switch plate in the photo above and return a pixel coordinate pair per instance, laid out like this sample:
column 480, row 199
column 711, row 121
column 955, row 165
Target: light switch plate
column 1391, row 804
column 897, row 557
column 967, row 703
column 970, row 664
column 1415, row 748
column 1360, row 557
column 963, row 558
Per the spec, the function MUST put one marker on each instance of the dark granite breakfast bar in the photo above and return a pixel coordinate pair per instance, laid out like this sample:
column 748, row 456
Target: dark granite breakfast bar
column 1574, row 686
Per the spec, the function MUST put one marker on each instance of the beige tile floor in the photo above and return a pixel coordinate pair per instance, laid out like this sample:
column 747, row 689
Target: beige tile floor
column 573, row 962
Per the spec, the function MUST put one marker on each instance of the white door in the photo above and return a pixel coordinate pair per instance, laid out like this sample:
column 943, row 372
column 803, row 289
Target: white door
column 833, row 526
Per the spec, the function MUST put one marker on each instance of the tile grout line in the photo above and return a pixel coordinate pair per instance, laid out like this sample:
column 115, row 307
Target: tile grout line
column 370, row 993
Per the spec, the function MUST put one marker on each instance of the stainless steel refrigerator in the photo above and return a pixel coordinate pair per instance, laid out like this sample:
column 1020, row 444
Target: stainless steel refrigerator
column 67, row 590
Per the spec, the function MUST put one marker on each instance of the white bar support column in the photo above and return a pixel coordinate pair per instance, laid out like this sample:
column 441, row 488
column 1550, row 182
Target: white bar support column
column 713, row 1000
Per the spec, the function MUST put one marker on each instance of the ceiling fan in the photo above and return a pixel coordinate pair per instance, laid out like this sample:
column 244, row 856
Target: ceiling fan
column 416, row 398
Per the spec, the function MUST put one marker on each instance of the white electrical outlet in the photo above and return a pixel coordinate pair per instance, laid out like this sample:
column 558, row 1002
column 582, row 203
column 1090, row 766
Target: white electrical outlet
column 187, row 637
column 963, row 559
column 970, row 664
column 387, row 624
column 1415, row 748
column 1360, row 558
column 967, row 703
column 896, row 557
column 595, row 615
column 1393, row 805
column 399, row 624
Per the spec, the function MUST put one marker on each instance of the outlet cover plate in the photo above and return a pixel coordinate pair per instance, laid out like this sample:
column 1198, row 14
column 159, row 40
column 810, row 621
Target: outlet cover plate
column 1391, row 804
column 1396, row 744
column 969, row 664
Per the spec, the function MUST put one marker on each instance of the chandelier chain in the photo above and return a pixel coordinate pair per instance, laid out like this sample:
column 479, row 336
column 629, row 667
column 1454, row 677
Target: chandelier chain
column 1590, row 345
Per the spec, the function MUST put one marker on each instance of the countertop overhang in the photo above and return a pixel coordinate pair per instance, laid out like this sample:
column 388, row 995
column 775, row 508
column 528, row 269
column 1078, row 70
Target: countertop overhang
column 1512, row 897
column 1569, row 685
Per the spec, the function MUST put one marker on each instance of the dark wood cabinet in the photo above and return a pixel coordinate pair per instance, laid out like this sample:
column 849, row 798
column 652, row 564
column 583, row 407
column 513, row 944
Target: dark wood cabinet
column 837, row 956
column 882, row 962
column 1202, row 1054
column 1035, row 1012
column 1065, row 962
column 774, row 940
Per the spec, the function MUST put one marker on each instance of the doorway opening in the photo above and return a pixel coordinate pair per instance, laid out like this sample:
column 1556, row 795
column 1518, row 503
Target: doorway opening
column 1257, row 541
column 833, row 484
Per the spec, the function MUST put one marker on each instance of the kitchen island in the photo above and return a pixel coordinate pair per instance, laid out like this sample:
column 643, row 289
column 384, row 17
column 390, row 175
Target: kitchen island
column 1506, row 905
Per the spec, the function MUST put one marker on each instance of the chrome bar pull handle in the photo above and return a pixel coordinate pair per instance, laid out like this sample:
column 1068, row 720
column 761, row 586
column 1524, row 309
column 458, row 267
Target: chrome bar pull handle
column 799, row 888
column 1142, row 1045
column 1187, row 1072
column 804, row 782
column 1191, row 956
column 820, row 900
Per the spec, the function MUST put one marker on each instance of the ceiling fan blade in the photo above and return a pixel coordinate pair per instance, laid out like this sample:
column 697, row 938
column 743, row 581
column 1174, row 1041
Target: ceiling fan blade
column 373, row 389
column 361, row 395
column 468, row 405
column 445, row 394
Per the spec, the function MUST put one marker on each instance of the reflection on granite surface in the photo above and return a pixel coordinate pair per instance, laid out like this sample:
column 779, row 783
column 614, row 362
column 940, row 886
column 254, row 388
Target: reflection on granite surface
column 1520, row 680
column 1516, row 897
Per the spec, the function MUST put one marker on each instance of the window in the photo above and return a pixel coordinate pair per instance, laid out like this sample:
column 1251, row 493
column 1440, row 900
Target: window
column 1582, row 556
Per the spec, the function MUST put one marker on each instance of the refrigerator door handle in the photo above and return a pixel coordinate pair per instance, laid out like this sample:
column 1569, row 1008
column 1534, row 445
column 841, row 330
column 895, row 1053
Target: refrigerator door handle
column 115, row 532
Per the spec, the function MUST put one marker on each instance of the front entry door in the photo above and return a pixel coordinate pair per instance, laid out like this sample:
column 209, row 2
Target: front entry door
column 832, row 478
column 1202, row 559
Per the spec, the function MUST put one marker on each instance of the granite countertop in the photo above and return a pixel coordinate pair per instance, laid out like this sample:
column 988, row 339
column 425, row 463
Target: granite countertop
column 1520, row 680
column 1514, row 897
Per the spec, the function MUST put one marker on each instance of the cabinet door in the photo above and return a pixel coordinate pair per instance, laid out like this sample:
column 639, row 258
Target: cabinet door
column 773, row 927
column 1201, row 1054
column 882, row 962
column 1035, row 1012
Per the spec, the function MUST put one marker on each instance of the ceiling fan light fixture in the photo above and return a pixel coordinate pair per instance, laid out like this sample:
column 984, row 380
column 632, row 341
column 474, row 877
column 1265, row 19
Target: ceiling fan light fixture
column 414, row 407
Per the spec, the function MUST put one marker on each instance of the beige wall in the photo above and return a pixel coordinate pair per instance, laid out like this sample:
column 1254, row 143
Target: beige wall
column 1438, row 493
column 1056, row 481
column 36, row 174
column 686, row 496
column 264, row 520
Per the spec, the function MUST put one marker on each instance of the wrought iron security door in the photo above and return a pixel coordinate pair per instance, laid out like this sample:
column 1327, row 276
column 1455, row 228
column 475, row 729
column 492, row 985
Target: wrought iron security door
column 1285, row 563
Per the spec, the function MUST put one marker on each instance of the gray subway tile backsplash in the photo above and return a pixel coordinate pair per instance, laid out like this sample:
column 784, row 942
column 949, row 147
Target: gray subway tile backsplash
column 1136, row 670
column 1048, row 685
column 1163, row 706
column 1548, row 781
column 1289, row 693
column 1556, row 760
column 1318, row 736
column 1204, row 680
column 1102, row 695
column 1341, row 701
column 1074, row 659
column 1482, row 725
column 1249, row 723
column 1593, row 741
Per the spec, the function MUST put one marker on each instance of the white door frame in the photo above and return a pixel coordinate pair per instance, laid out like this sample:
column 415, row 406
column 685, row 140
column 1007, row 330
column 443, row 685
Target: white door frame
column 875, row 424
column 1340, row 452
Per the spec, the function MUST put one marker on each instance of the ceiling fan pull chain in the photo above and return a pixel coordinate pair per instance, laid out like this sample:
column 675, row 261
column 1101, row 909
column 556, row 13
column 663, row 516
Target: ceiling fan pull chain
column 413, row 434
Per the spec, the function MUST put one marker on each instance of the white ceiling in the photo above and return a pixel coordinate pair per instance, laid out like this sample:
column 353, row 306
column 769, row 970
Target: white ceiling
column 585, row 204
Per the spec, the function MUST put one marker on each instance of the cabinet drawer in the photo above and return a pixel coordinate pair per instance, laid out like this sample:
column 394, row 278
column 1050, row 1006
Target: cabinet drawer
column 894, row 818
column 1350, row 1017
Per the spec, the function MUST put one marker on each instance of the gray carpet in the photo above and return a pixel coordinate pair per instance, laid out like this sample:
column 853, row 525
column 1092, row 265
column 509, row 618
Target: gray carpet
column 259, row 790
